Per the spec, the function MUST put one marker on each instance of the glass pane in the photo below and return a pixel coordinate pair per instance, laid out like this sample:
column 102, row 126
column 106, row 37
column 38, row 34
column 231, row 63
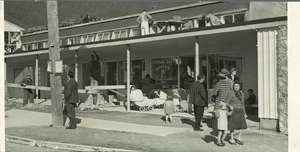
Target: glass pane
column 228, row 19
column 239, row 18
column 224, row 60
column 136, row 71
column 164, row 71
column 111, row 73
column 187, row 70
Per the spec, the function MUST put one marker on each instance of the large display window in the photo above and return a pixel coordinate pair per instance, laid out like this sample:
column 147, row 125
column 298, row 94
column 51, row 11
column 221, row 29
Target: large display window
column 165, row 72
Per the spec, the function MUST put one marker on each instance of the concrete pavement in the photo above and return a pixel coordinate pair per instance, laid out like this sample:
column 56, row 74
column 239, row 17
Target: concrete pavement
column 18, row 118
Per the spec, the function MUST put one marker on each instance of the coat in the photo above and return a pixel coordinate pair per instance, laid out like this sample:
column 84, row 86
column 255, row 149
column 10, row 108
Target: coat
column 198, row 94
column 27, row 81
column 71, row 91
column 146, row 85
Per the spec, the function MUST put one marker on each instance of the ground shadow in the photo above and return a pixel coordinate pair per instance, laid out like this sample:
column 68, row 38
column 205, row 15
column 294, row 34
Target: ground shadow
column 163, row 118
column 209, row 138
column 187, row 121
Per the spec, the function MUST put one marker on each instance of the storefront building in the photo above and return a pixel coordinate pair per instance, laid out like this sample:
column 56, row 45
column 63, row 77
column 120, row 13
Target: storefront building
column 251, row 39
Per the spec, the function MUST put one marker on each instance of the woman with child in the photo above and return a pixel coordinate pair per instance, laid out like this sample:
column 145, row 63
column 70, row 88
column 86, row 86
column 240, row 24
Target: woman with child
column 237, row 120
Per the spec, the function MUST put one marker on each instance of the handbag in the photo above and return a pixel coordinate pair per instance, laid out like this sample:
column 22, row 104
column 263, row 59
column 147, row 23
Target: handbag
column 215, row 96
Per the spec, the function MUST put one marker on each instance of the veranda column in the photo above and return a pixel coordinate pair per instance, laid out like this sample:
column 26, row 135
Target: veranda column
column 196, row 57
column 128, row 77
column 76, row 65
column 267, row 90
column 37, row 76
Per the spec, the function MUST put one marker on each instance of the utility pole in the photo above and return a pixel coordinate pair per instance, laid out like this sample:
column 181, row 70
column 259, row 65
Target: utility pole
column 54, row 55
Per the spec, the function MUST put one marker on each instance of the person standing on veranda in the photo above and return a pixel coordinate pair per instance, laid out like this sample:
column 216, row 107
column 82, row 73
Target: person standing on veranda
column 94, row 73
column 144, row 20
column 28, row 93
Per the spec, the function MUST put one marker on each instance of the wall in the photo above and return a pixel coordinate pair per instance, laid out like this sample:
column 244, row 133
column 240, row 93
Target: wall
column 261, row 10
column 282, row 79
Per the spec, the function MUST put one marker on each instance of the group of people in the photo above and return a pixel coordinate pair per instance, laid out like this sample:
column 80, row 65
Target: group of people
column 229, row 108
column 146, row 20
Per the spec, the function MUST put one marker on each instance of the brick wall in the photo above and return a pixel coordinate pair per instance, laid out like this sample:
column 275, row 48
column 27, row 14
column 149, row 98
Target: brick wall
column 282, row 79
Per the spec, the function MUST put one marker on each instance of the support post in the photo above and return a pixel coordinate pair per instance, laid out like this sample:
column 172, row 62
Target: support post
column 54, row 55
column 196, row 57
column 178, row 72
column 76, row 65
column 128, row 77
column 37, row 76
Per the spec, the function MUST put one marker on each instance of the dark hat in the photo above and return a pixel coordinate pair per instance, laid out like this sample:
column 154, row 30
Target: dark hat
column 71, row 73
column 223, row 73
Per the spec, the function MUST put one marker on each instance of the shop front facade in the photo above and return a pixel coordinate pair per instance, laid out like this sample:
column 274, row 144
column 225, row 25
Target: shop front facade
column 173, row 59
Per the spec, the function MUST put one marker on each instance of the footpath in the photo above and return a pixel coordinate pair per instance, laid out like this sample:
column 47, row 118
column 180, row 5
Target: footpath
column 108, row 130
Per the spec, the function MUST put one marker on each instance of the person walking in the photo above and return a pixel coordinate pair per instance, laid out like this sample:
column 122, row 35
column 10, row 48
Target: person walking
column 237, row 120
column 28, row 93
column 198, row 99
column 144, row 19
column 71, row 98
column 223, row 87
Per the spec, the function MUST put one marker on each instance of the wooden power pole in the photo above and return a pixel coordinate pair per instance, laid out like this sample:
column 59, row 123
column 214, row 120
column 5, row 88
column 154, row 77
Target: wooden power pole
column 54, row 55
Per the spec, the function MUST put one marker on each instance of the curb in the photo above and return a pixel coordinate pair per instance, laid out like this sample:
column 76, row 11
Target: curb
column 60, row 146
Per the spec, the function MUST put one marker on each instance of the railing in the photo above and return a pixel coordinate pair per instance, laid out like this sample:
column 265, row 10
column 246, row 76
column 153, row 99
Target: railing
column 126, row 32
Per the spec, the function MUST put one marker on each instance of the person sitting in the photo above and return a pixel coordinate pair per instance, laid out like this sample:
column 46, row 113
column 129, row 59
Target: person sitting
column 251, row 100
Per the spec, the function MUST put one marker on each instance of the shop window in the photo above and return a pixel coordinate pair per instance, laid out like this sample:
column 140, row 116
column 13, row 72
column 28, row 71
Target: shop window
column 225, row 60
column 165, row 71
column 137, row 72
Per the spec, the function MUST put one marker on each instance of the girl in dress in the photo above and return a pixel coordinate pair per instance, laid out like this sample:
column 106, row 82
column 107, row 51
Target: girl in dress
column 222, row 122
column 169, row 108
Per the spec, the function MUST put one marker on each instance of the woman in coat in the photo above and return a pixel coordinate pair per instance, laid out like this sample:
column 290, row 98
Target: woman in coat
column 237, row 121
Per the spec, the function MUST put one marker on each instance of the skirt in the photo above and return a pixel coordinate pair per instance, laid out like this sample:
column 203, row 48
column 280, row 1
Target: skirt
column 169, row 110
column 237, row 120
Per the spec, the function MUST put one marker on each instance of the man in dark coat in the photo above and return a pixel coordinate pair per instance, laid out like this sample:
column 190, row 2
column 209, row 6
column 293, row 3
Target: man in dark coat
column 147, row 84
column 28, row 93
column 198, row 99
column 71, row 98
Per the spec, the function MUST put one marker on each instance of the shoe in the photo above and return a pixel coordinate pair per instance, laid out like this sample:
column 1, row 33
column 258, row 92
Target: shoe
column 69, row 127
column 220, row 144
column 232, row 142
column 240, row 142
column 198, row 129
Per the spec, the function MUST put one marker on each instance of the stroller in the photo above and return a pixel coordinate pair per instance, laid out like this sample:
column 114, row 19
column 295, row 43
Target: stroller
column 180, row 100
column 159, row 96
column 139, row 101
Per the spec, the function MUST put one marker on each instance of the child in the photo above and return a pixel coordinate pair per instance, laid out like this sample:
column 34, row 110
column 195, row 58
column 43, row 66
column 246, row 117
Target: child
column 222, row 121
column 169, row 108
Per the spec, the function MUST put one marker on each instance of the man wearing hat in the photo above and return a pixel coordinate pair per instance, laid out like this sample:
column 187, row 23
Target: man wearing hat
column 28, row 93
column 223, row 87
column 71, row 98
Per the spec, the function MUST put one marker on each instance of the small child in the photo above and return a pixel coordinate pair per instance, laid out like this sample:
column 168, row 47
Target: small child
column 222, row 121
column 169, row 108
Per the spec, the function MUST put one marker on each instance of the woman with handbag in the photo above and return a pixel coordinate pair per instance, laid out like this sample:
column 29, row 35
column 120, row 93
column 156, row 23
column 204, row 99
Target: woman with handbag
column 237, row 120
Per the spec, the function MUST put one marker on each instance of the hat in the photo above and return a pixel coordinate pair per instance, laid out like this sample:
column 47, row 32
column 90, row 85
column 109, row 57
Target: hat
column 223, row 73
column 29, row 74
column 71, row 73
